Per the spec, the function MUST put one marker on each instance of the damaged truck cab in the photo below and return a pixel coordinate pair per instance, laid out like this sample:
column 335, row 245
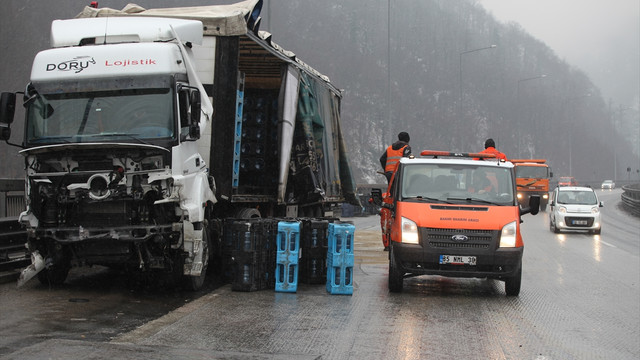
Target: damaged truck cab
column 126, row 165
column 114, row 175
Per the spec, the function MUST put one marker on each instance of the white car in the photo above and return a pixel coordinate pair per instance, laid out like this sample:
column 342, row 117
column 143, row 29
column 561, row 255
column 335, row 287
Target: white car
column 575, row 208
column 608, row 184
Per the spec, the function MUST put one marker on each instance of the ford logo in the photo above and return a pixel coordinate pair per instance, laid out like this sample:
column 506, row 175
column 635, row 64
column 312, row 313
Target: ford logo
column 459, row 238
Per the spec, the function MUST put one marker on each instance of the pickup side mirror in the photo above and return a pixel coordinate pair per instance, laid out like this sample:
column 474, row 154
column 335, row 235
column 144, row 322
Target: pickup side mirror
column 534, row 206
column 376, row 197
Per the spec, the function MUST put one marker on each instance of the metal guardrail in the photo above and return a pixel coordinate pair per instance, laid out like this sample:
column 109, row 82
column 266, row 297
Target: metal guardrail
column 631, row 198
column 11, row 197
column 13, row 237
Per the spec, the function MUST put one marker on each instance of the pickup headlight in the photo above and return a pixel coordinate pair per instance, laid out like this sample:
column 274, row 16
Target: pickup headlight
column 508, row 235
column 409, row 231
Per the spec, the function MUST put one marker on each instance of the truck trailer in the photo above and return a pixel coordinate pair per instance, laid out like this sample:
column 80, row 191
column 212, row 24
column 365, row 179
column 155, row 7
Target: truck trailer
column 145, row 129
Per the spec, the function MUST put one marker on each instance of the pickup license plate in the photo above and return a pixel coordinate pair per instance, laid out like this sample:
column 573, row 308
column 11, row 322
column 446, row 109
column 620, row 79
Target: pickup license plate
column 579, row 222
column 457, row 260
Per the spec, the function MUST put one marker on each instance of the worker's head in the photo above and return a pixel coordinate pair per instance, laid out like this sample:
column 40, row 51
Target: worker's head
column 403, row 136
column 489, row 143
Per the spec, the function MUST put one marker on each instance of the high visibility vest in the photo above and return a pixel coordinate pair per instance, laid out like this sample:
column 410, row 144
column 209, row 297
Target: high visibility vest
column 496, row 152
column 393, row 158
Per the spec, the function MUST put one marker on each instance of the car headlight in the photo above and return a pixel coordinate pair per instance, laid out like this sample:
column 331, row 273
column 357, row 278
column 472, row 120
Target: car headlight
column 595, row 210
column 409, row 231
column 508, row 235
column 562, row 209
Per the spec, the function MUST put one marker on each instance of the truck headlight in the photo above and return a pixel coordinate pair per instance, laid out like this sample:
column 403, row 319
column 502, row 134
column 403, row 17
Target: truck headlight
column 409, row 231
column 545, row 196
column 508, row 235
column 519, row 196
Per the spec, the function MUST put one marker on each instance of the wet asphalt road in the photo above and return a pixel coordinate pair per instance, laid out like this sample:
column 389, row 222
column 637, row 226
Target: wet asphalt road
column 580, row 299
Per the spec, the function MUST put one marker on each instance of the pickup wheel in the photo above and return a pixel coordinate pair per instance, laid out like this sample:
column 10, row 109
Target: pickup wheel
column 396, row 275
column 512, row 284
column 195, row 283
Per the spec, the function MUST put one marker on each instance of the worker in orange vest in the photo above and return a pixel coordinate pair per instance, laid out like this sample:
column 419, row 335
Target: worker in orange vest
column 390, row 158
column 490, row 148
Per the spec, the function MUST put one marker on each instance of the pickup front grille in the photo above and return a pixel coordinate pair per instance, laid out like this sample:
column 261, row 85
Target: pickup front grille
column 444, row 238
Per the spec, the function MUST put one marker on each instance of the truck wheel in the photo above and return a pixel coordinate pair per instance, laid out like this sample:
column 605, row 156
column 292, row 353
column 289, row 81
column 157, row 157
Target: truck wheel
column 396, row 275
column 55, row 274
column 195, row 283
column 512, row 284
column 248, row 213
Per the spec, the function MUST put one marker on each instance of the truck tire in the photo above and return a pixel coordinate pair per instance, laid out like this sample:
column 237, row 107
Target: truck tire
column 396, row 275
column 512, row 283
column 248, row 213
column 194, row 283
column 55, row 274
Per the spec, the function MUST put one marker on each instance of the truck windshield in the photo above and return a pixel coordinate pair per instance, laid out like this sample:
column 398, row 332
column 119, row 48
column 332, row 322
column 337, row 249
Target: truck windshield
column 533, row 172
column 100, row 110
column 456, row 183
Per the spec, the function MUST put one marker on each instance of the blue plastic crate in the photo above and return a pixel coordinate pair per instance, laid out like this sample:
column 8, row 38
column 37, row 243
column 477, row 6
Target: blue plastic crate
column 288, row 250
column 340, row 258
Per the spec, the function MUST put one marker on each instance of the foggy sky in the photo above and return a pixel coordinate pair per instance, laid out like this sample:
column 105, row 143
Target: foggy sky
column 600, row 37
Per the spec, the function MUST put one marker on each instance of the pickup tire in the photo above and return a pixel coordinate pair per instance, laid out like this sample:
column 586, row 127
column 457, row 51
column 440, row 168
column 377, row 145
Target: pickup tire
column 396, row 275
column 512, row 283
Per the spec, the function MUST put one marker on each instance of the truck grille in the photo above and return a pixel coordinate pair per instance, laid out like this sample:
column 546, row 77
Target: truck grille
column 444, row 238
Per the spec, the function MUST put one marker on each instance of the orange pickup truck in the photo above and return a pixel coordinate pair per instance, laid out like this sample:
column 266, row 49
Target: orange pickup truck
column 450, row 215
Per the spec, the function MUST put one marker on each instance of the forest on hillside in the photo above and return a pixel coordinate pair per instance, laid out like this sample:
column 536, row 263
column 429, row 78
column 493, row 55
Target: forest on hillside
column 458, row 77
column 445, row 71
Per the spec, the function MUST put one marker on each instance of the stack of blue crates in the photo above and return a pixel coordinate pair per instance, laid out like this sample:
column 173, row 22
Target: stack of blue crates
column 288, row 250
column 340, row 259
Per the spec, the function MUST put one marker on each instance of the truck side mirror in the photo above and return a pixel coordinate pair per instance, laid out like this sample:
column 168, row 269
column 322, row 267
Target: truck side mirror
column 194, row 123
column 7, row 111
column 7, row 107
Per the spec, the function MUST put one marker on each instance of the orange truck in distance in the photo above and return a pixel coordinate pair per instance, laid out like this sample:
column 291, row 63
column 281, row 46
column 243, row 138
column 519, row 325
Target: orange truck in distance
column 447, row 214
column 532, row 178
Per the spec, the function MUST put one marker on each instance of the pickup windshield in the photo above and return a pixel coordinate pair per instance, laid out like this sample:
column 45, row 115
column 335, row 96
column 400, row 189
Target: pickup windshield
column 458, row 184
column 100, row 110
